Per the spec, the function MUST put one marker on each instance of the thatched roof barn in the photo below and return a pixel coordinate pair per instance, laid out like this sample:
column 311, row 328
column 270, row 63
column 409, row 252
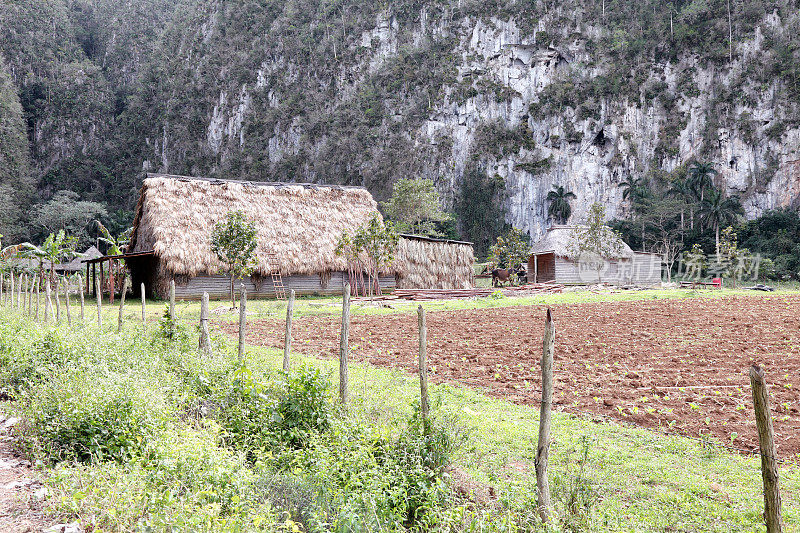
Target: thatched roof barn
column 434, row 263
column 77, row 264
column 298, row 227
column 557, row 258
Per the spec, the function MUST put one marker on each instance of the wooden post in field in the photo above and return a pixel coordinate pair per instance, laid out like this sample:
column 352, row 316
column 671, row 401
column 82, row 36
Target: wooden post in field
column 20, row 301
column 66, row 302
column 80, row 284
column 122, row 304
column 99, row 301
column 30, row 296
column 37, row 298
column 766, row 441
column 23, row 289
column 543, row 445
column 424, row 404
column 344, row 345
column 48, row 305
column 287, row 343
column 242, row 320
column 205, row 336
column 144, row 308
column 11, row 293
column 172, row 301
column 2, row 293
column 58, row 299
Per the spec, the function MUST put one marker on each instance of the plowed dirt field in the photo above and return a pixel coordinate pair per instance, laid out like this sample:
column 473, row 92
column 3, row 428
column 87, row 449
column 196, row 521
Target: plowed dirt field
column 681, row 364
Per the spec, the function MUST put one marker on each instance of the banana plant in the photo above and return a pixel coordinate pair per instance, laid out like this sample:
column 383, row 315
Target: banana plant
column 55, row 248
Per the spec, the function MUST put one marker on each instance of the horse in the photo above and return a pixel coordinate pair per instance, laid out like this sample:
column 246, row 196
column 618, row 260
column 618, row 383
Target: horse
column 501, row 275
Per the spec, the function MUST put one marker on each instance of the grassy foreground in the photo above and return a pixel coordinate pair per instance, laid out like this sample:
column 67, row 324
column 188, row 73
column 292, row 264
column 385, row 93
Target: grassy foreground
column 135, row 432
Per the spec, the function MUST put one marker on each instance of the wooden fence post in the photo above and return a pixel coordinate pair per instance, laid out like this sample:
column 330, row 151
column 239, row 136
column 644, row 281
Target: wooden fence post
column 30, row 296
column 424, row 404
column 66, row 302
column 122, row 304
column 20, row 301
column 11, row 293
column 99, row 301
column 144, row 308
column 48, row 305
column 543, row 445
column 344, row 345
column 766, row 441
column 2, row 294
column 80, row 284
column 37, row 291
column 58, row 299
column 23, row 289
column 287, row 343
column 242, row 320
column 205, row 338
column 172, row 301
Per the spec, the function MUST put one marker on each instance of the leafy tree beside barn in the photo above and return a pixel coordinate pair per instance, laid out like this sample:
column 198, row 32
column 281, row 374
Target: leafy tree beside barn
column 234, row 242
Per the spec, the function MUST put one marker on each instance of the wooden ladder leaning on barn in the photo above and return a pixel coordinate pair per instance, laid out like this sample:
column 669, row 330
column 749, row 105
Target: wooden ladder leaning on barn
column 277, row 279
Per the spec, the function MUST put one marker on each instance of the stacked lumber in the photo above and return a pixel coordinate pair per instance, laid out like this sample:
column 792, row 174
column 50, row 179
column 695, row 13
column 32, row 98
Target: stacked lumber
column 441, row 294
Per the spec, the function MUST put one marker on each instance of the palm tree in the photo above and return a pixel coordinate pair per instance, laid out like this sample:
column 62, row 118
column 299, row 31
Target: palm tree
column 559, row 209
column 701, row 177
column 682, row 190
column 718, row 210
column 633, row 188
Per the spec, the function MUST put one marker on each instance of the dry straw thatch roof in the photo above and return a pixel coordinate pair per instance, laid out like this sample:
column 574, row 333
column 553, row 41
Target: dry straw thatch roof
column 434, row 264
column 301, row 224
column 561, row 241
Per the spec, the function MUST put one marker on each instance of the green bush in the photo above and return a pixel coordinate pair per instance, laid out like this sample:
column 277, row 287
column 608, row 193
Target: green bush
column 86, row 416
column 263, row 417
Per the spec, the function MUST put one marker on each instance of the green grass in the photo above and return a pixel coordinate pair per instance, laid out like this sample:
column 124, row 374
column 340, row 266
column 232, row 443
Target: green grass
column 189, row 311
column 647, row 481
column 638, row 480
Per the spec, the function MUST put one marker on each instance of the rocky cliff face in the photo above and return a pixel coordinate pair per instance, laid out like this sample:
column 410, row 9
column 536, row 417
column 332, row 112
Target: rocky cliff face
column 529, row 80
column 573, row 92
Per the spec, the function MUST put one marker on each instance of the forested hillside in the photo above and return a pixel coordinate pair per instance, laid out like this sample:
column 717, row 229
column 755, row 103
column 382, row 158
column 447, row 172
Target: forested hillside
column 496, row 101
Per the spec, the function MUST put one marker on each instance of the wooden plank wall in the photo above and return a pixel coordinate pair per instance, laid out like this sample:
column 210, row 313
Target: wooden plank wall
column 218, row 286
column 644, row 269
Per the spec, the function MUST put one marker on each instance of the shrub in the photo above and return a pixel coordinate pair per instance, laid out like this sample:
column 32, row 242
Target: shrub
column 265, row 417
column 89, row 416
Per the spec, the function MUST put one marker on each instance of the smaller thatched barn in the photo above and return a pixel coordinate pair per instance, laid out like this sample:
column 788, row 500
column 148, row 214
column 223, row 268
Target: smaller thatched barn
column 425, row 263
column 555, row 258
column 298, row 227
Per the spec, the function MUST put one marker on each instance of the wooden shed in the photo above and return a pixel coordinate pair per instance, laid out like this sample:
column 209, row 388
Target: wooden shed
column 556, row 258
column 298, row 227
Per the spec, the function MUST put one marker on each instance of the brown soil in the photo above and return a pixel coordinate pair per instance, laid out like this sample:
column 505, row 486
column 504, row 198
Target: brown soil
column 18, row 504
column 681, row 365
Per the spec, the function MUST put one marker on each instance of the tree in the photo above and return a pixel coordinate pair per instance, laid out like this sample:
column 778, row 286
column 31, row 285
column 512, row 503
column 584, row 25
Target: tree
column 701, row 178
column 632, row 188
column 415, row 207
column 370, row 249
column 559, row 208
column 480, row 208
column 379, row 243
column 234, row 242
column 56, row 248
column 66, row 212
column 681, row 189
column 595, row 242
column 510, row 250
column 16, row 182
column 718, row 210
column 664, row 230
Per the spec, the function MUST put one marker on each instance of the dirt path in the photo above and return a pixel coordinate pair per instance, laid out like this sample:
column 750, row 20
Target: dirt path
column 680, row 365
column 19, row 491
